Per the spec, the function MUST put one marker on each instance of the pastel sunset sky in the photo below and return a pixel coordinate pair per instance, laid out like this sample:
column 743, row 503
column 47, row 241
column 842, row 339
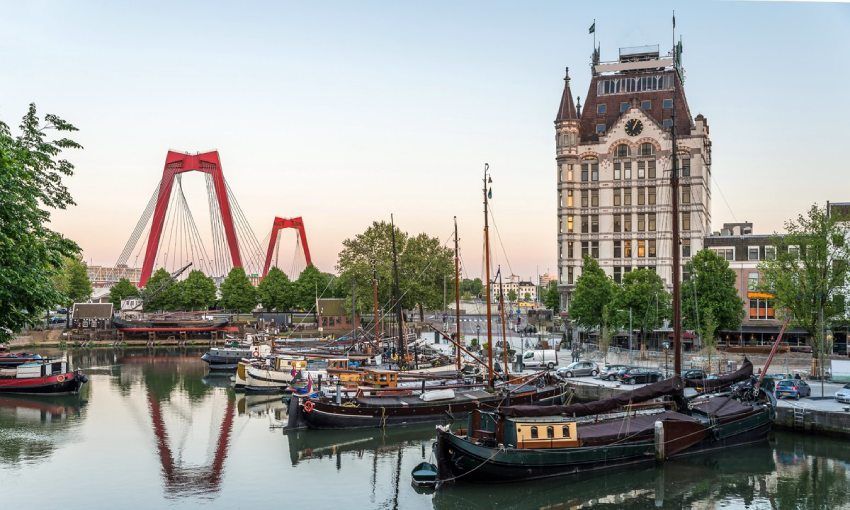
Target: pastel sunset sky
column 345, row 112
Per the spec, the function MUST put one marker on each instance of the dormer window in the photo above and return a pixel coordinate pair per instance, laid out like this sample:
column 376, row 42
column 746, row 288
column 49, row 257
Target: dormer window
column 622, row 151
column 601, row 109
column 646, row 104
column 600, row 129
column 667, row 104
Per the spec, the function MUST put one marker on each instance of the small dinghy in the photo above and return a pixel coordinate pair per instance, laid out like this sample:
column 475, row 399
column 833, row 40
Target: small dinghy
column 424, row 475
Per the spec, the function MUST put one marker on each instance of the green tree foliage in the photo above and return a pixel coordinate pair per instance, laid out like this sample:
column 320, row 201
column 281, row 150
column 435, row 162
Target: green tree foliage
column 237, row 293
column 594, row 289
column 711, row 285
column 643, row 292
column 73, row 281
column 707, row 332
column 122, row 290
column 526, row 296
column 511, row 296
column 196, row 292
column 276, row 292
column 815, row 279
column 552, row 298
column 471, row 288
column 161, row 293
column 312, row 283
column 31, row 173
column 423, row 265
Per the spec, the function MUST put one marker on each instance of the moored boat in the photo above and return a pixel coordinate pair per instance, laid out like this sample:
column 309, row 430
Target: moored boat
column 227, row 358
column 42, row 377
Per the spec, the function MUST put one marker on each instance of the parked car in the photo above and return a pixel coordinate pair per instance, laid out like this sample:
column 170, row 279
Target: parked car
column 57, row 320
column 843, row 395
column 578, row 369
column 793, row 388
column 636, row 375
column 695, row 373
column 540, row 358
column 611, row 371
column 622, row 372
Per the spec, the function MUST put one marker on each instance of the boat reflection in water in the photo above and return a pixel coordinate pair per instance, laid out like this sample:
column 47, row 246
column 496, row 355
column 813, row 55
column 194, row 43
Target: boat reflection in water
column 319, row 444
column 35, row 427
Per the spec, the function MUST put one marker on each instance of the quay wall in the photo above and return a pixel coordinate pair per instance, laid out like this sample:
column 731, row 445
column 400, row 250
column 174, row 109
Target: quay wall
column 814, row 421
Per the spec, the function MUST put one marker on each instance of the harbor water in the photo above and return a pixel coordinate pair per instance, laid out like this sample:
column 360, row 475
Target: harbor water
column 152, row 429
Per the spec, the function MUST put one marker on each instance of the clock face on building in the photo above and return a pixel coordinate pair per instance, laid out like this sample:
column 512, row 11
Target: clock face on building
column 634, row 127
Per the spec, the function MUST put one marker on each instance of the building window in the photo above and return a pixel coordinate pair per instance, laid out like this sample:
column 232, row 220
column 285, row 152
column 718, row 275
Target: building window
column 584, row 223
column 652, row 248
column 617, row 197
column 647, row 149
column 623, row 150
column 641, row 200
column 569, row 223
column 594, row 198
column 686, row 167
column 627, row 196
column 770, row 252
column 585, row 251
column 794, row 251
column 627, row 248
column 646, row 104
column 686, row 220
column 600, row 129
column 624, row 106
column 627, row 223
column 569, row 275
column 650, row 195
column 650, row 222
column 667, row 123
column 618, row 274
column 650, row 168
column 641, row 249
column 686, row 194
column 617, row 222
column 641, row 169
column 594, row 249
column 570, row 253
column 667, row 104
column 569, row 172
column 594, row 172
column 594, row 224
column 752, row 252
column 726, row 253
column 618, row 249
column 600, row 109
column 617, row 170
column 627, row 170
column 686, row 248
column 752, row 281
column 761, row 309
column 641, row 222
column 569, row 198
column 584, row 198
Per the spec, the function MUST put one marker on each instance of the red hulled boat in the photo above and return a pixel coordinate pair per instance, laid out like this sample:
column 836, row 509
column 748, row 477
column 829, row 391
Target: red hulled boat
column 41, row 377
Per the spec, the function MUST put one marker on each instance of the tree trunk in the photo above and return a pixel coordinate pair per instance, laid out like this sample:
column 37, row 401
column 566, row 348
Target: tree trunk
column 421, row 313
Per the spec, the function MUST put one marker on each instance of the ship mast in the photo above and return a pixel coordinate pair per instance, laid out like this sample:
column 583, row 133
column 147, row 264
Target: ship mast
column 376, row 329
column 502, row 317
column 397, row 299
column 487, row 191
column 457, row 301
column 674, row 194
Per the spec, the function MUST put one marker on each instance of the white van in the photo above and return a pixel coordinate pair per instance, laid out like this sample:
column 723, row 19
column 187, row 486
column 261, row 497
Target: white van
column 547, row 358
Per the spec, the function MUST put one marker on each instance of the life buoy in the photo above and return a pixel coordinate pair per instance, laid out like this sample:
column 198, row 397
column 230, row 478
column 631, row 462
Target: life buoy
column 308, row 406
column 60, row 378
column 256, row 354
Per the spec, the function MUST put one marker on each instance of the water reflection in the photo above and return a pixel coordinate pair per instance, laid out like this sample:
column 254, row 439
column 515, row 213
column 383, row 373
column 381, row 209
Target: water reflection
column 32, row 428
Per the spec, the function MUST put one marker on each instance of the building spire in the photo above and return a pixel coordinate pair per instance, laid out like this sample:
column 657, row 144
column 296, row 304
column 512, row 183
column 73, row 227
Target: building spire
column 567, row 110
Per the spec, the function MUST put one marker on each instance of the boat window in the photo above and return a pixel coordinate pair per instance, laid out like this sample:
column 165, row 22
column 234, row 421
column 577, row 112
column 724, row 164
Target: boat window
column 533, row 432
column 565, row 431
column 550, row 432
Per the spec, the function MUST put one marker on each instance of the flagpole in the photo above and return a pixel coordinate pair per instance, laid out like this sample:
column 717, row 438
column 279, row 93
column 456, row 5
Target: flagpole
column 594, row 34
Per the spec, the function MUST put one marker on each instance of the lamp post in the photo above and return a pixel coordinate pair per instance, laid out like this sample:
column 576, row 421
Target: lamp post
column 666, row 346
column 630, row 333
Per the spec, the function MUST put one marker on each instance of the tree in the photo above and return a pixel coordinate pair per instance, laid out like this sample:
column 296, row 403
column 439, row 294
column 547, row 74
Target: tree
column 810, row 273
column 197, row 291
column 276, row 292
column 73, row 281
column 511, row 296
column 311, row 284
column 552, row 298
column 643, row 293
column 31, row 173
column 237, row 293
column 526, row 296
column 123, row 289
column 594, row 289
column 424, row 265
column 473, row 288
column 710, row 285
column 161, row 293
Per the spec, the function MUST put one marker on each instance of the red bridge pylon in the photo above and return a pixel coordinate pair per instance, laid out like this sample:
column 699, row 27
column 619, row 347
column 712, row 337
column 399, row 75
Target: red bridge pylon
column 281, row 223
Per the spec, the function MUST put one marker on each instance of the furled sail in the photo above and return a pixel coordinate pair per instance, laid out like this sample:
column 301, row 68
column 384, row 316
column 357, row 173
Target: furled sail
column 743, row 373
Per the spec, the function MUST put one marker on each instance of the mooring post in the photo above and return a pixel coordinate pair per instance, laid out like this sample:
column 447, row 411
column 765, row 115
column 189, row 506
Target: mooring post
column 659, row 441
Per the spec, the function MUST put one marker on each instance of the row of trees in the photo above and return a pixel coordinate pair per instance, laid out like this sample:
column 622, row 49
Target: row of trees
column 709, row 299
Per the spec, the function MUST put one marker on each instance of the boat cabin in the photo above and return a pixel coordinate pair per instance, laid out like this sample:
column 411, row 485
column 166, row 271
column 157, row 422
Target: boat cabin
column 380, row 378
column 288, row 364
column 541, row 434
column 32, row 369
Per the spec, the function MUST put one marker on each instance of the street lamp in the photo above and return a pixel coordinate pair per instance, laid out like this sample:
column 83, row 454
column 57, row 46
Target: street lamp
column 630, row 332
column 666, row 346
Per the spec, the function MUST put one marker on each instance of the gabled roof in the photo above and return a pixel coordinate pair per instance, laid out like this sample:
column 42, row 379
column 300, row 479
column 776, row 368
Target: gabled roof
column 567, row 110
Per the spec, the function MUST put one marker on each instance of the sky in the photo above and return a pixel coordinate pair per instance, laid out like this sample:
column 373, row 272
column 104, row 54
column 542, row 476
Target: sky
column 345, row 112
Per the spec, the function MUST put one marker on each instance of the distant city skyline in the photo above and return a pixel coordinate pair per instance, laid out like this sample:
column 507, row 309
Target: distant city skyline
column 344, row 113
